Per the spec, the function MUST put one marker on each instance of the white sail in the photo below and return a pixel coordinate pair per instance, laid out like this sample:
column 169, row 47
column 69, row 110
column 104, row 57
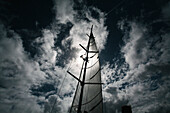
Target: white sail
column 91, row 100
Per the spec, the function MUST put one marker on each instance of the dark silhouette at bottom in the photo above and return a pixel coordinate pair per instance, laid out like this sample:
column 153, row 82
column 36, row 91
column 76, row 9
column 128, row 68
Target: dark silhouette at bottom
column 126, row 109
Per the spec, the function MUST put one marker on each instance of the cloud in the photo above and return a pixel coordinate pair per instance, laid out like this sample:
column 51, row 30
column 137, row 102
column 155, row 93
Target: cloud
column 46, row 50
column 142, row 51
column 27, row 84
column 79, row 29
column 147, row 56
column 64, row 10
column 135, row 48
column 114, row 88
column 18, row 73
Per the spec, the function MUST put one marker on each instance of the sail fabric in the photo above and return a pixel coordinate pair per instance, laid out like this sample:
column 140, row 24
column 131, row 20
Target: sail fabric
column 92, row 94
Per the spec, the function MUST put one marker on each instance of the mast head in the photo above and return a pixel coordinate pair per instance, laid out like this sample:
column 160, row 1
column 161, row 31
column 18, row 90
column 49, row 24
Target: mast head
column 91, row 33
column 91, row 28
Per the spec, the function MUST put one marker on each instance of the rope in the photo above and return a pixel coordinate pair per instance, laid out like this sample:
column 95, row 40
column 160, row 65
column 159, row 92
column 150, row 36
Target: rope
column 115, row 7
column 60, row 88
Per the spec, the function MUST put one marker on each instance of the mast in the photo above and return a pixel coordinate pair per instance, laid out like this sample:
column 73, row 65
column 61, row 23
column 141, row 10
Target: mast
column 88, row 95
column 84, row 74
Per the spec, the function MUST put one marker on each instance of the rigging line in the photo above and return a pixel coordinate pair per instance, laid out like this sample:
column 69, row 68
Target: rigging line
column 92, row 65
column 91, row 44
column 93, row 55
column 95, row 73
column 91, row 99
column 95, row 105
column 60, row 89
column 115, row 7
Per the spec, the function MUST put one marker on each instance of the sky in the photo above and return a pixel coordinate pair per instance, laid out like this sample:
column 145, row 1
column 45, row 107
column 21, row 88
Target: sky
column 39, row 42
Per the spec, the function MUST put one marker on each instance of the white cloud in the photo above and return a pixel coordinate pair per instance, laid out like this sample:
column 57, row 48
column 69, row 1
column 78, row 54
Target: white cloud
column 18, row 73
column 148, row 60
column 64, row 10
column 78, row 34
column 47, row 53
column 66, row 13
column 135, row 48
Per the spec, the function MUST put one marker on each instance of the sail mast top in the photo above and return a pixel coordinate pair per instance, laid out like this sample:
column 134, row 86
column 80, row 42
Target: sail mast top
column 88, row 95
column 84, row 74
